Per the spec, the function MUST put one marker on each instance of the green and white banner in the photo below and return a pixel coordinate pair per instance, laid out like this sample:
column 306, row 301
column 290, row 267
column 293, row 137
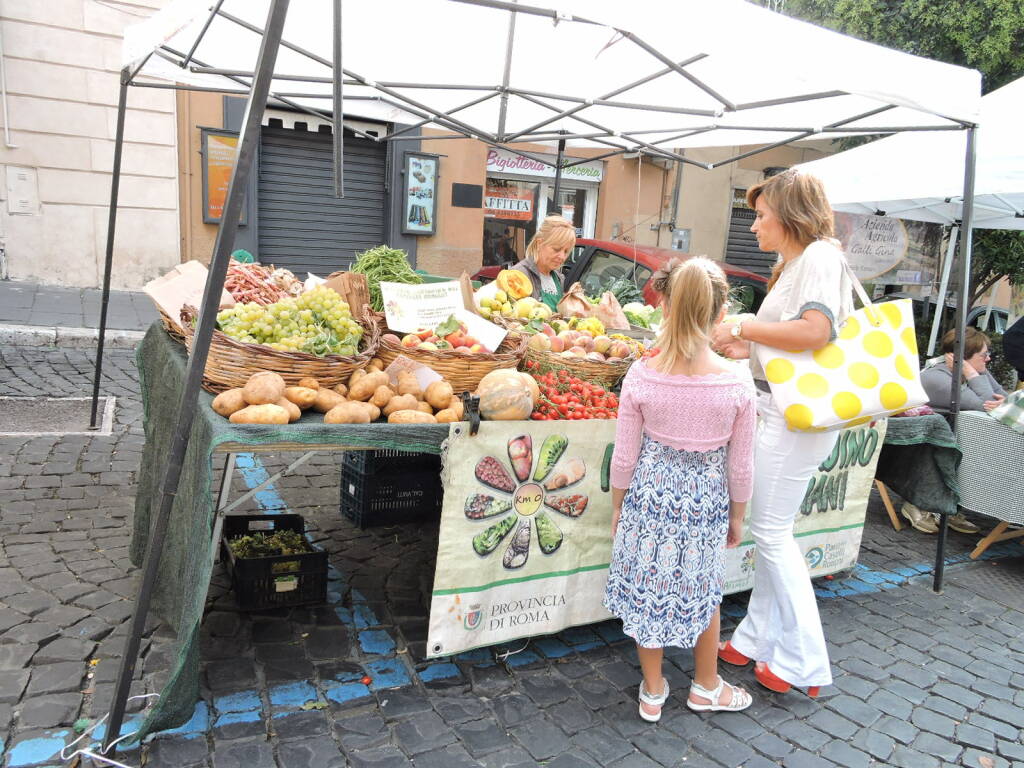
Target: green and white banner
column 830, row 522
column 525, row 535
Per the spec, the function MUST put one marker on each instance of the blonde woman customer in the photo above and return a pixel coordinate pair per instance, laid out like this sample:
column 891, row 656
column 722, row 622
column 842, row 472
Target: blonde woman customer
column 545, row 255
column 680, row 477
column 809, row 297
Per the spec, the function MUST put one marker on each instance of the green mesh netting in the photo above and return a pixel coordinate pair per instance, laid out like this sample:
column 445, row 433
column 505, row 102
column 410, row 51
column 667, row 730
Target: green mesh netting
column 918, row 461
column 186, row 562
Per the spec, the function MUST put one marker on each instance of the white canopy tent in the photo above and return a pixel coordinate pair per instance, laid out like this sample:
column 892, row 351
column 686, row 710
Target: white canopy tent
column 920, row 177
column 644, row 76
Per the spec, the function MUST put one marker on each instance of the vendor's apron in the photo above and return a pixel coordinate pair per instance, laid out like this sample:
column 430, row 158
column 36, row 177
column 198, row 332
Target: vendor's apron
column 552, row 299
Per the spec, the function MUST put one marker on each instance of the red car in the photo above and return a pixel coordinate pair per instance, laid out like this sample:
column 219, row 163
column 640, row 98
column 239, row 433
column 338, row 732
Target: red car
column 598, row 263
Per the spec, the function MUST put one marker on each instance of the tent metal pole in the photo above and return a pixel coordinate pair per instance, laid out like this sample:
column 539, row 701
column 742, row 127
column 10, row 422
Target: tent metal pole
column 506, row 76
column 940, row 303
column 421, row 123
column 789, row 100
column 202, row 33
column 337, row 102
column 964, row 289
column 438, row 115
column 247, row 146
column 115, row 184
column 616, row 92
column 558, row 173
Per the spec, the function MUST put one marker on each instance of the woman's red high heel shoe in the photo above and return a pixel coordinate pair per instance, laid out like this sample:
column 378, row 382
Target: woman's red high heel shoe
column 730, row 655
column 773, row 682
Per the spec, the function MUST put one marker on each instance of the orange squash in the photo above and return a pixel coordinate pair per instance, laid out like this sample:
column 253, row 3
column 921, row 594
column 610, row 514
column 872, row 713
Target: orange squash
column 514, row 283
column 504, row 396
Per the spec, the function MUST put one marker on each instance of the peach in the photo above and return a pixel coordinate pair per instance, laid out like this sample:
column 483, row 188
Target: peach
column 391, row 339
column 578, row 351
column 601, row 344
column 557, row 344
column 619, row 349
column 410, row 340
column 595, row 356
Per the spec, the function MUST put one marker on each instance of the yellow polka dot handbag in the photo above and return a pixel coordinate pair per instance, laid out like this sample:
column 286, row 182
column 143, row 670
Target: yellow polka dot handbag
column 870, row 371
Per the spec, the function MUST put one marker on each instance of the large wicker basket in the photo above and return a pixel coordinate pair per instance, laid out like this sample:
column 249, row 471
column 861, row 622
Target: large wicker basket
column 596, row 372
column 462, row 371
column 231, row 362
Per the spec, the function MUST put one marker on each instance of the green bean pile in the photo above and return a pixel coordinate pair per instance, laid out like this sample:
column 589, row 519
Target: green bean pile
column 384, row 264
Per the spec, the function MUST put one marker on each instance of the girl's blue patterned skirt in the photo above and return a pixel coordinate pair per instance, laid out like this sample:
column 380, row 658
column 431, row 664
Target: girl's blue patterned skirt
column 668, row 557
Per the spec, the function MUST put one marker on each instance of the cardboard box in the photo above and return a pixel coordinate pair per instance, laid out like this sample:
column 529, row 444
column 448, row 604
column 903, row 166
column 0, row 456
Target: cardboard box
column 183, row 285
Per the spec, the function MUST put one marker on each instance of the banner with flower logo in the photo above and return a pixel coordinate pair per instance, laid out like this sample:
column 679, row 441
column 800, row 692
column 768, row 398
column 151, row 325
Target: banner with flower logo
column 525, row 532
column 525, row 537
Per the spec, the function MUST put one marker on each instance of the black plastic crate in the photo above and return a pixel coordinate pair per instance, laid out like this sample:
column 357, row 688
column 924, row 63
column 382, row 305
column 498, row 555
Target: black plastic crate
column 393, row 494
column 390, row 461
column 296, row 580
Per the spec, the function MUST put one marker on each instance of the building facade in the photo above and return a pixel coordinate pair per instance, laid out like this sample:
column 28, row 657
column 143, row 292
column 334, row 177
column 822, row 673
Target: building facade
column 61, row 61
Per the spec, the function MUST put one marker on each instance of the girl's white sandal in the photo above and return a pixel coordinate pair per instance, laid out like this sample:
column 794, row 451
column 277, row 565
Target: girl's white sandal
column 653, row 701
column 740, row 698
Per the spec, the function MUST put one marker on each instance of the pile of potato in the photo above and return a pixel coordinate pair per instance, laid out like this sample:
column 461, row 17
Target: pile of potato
column 266, row 399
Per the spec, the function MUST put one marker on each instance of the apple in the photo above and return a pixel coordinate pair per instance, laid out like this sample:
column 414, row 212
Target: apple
column 462, row 350
column 424, row 333
column 601, row 344
column 476, row 348
column 410, row 340
column 557, row 344
column 391, row 339
column 456, row 339
column 442, row 344
column 427, row 345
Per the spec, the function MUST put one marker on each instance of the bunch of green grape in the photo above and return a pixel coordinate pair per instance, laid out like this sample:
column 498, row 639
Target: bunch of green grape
column 318, row 322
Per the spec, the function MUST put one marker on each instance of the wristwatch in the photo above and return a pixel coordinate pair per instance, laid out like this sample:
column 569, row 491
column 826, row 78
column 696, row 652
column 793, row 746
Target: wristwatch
column 737, row 330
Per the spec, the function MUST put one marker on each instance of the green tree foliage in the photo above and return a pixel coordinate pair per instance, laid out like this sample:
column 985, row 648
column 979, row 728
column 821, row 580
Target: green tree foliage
column 987, row 35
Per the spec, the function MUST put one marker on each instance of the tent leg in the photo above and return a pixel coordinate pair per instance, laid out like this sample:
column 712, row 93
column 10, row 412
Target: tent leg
column 940, row 303
column 964, row 286
column 338, row 145
column 558, row 175
column 248, row 141
column 115, row 183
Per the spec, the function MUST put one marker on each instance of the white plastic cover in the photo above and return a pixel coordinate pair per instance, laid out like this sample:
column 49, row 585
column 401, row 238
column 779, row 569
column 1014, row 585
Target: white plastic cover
column 921, row 176
column 745, row 54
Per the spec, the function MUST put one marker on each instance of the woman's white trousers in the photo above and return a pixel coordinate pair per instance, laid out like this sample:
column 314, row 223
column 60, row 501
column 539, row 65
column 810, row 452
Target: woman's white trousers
column 782, row 626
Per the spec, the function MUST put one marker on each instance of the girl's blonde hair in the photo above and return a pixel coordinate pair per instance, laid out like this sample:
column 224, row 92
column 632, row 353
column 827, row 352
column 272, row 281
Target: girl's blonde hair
column 799, row 201
column 556, row 231
column 697, row 291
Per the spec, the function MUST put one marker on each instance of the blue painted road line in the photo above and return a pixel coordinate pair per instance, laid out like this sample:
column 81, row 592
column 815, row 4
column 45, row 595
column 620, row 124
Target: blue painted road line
column 254, row 474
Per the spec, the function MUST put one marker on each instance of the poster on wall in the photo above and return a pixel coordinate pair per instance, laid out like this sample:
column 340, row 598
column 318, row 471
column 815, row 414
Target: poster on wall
column 420, row 194
column 830, row 522
column 219, row 150
column 525, row 538
column 884, row 250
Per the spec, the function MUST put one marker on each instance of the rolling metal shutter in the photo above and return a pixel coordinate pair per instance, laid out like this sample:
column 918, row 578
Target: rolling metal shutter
column 302, row 226
column 741, row 248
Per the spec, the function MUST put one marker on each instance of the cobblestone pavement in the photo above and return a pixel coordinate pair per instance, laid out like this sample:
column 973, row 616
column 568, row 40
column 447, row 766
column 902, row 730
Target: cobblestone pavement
column 921, row 679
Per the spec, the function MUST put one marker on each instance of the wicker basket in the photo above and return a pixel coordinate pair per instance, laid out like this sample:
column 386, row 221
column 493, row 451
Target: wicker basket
column 172, row 328
column 232, row 362
column 596, row 372
column 462, row 371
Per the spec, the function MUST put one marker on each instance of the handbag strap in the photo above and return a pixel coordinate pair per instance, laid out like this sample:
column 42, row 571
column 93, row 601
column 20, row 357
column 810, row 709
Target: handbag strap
column 869, row 308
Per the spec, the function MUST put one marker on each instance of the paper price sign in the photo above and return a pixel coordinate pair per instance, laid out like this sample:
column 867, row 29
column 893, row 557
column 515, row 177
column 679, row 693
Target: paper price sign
column 409, row 308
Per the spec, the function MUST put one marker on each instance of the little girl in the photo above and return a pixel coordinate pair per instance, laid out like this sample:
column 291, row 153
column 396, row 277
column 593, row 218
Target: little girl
column 681, row 479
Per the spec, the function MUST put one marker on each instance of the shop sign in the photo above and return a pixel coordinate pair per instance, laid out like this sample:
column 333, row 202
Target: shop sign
column 888, row 251
column 219, row 150
column 525, row 537
column 830, row 522
column 507, row 203
column 503, row 161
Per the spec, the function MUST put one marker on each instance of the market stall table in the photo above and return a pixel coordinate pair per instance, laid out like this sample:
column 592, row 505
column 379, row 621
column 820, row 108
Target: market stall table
column 919, row 461
column 828, row 529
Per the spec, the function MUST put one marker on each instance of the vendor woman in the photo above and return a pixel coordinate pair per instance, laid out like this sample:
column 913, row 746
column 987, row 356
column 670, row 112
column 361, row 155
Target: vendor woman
column 545, row 255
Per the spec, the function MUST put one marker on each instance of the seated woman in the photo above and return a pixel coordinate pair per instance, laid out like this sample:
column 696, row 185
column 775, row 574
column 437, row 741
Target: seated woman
column 978, row 391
